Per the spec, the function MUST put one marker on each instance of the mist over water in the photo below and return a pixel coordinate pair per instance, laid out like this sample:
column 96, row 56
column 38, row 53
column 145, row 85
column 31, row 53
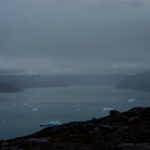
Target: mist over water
column 69, row 37
column 74, row 37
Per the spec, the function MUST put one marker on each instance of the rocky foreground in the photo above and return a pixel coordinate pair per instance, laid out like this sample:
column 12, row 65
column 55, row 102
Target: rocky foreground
column 119, row 131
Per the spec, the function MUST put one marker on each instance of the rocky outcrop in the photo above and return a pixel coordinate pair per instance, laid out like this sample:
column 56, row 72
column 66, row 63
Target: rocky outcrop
column 119, row 131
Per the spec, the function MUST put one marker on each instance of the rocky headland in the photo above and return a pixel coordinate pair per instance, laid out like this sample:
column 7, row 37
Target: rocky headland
column 128, row 130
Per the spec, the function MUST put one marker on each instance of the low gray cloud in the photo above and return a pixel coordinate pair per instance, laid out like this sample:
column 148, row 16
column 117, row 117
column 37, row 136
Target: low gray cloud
column 74, row 37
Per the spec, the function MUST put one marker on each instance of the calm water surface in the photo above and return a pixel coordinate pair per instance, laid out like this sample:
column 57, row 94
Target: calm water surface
column 22, row 113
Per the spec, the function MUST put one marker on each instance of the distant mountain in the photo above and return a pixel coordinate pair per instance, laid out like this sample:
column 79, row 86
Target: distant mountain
column 33, row 81
column 140, row 81
column 4, row 88
column 14, row 83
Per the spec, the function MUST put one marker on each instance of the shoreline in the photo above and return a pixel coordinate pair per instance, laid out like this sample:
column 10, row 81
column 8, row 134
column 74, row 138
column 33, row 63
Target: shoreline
column 123, row 131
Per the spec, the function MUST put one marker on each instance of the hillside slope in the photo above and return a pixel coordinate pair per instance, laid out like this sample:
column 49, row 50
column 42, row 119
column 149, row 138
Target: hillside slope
column 119, row 131
column 139, row 81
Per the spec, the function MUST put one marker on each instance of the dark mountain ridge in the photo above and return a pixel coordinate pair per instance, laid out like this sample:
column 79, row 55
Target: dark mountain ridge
column 140, row 81
column 36, row 81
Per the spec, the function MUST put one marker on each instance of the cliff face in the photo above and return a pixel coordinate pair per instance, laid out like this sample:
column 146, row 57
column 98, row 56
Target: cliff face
column 119, row 131
column 139, row 81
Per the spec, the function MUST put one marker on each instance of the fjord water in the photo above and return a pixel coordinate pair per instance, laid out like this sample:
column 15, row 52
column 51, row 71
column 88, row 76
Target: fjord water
column 87, row 35
column 22, row 113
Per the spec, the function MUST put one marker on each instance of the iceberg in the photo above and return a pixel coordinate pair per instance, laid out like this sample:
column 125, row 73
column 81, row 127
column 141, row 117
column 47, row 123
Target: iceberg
column 35, row 109
column 108, row 109
column 51, row 124
column 25, row 104
column 131, row 100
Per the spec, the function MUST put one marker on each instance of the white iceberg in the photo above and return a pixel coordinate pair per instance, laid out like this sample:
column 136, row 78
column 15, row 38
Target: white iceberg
column 108, row 109
column 131, row 100
column 35, row 109
column 51, row 124
column 26, row 104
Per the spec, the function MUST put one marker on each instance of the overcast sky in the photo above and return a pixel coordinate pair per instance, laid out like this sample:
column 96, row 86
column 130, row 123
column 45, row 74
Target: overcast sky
column 74, row 36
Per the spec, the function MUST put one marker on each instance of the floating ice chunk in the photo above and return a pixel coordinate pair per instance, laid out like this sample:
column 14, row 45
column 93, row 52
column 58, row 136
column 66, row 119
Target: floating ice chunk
column 51, row 124
column 131, row 100
column 108, row 109
column 25, row 104
column 35, row 109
